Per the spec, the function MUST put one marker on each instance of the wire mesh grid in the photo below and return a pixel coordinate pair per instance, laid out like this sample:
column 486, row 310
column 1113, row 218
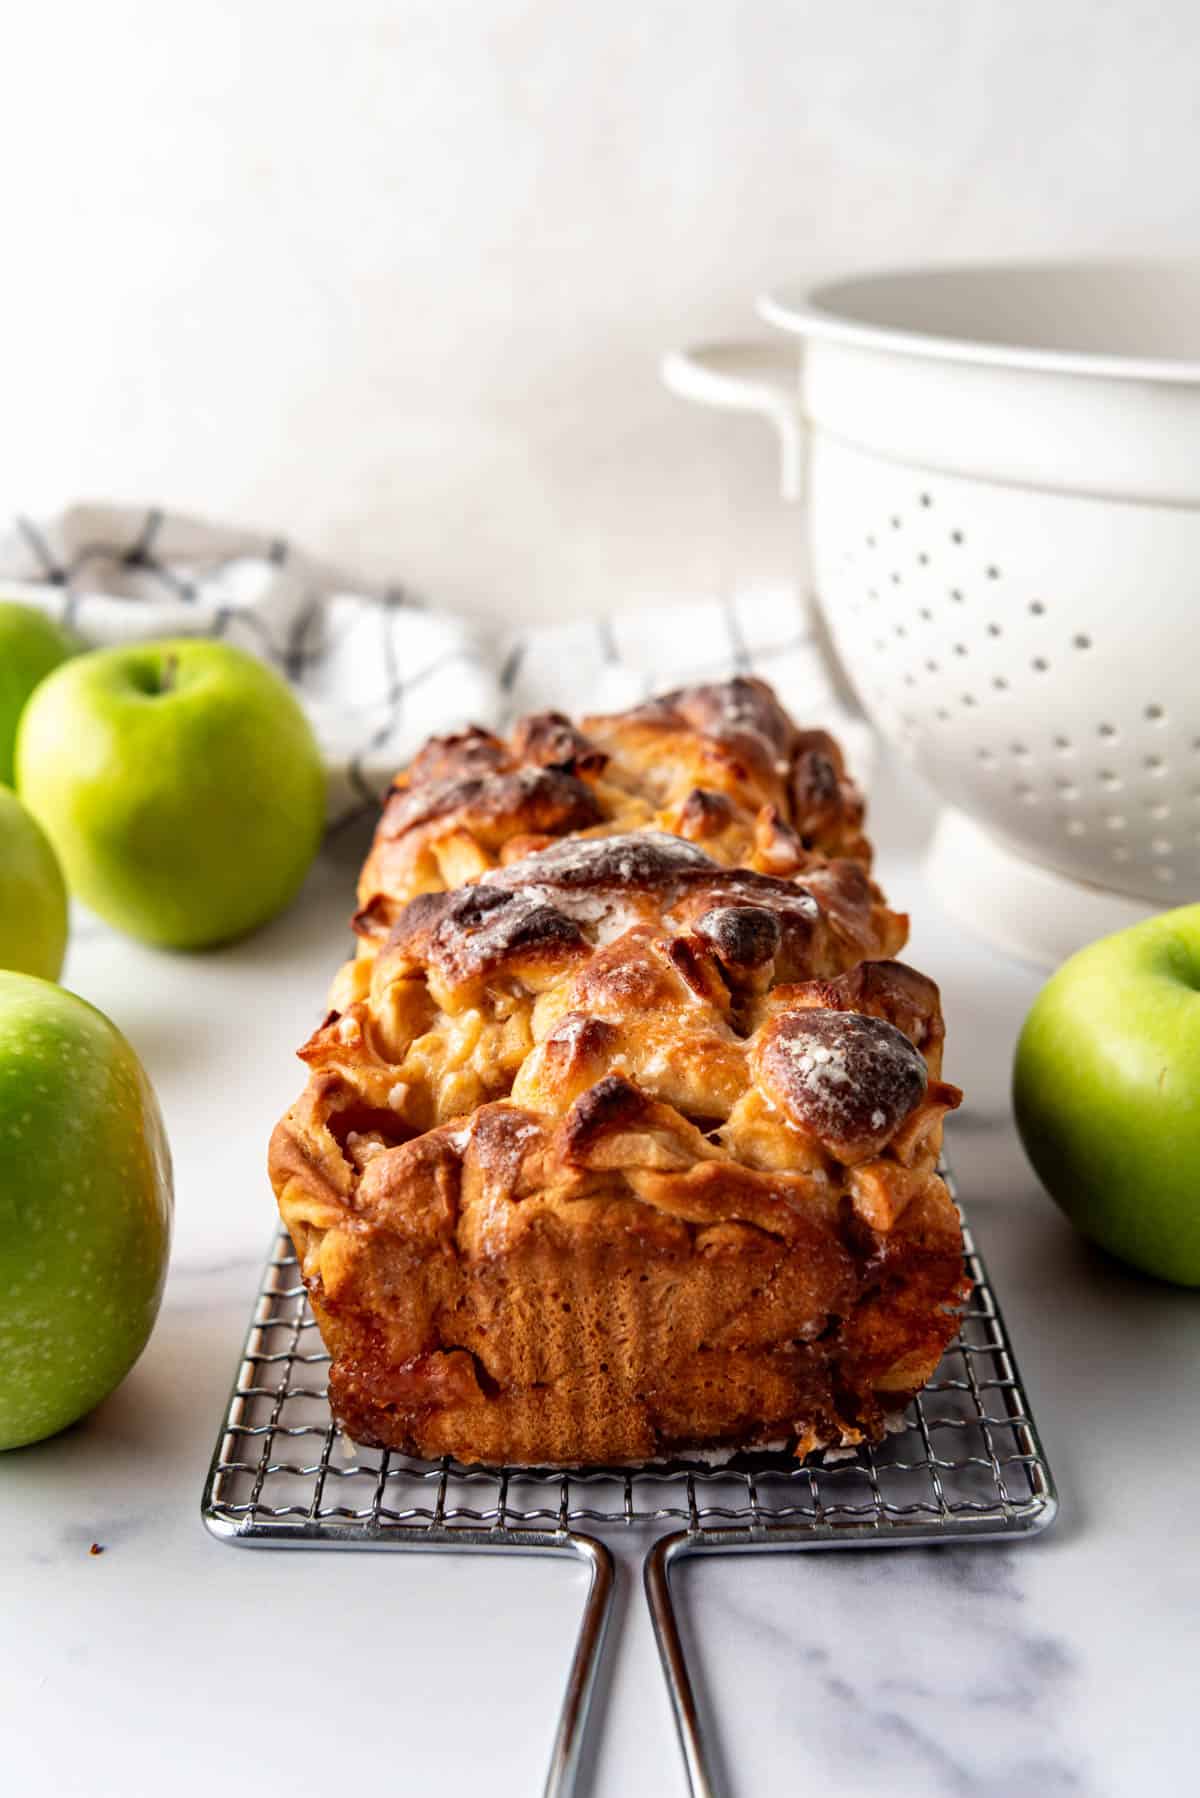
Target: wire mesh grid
column 964, row 1461
column 964, row 1458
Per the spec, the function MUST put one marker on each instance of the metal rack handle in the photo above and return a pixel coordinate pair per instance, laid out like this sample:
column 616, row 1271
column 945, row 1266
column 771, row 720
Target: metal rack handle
column 585, row 1665
column 656, row 1575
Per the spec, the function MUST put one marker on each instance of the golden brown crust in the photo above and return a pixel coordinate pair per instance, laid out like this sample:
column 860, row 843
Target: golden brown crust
column 734, row 739
column 721, row 765
column 629, row 1145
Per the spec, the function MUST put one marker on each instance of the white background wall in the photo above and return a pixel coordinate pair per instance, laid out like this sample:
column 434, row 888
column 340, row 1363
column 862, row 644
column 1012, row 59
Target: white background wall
column 394, row 275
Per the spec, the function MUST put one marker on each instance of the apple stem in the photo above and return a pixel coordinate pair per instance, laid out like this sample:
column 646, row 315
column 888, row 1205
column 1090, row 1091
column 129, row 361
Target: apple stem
column 170, row 669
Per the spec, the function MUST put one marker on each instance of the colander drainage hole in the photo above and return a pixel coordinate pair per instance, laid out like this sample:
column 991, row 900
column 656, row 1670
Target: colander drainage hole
column 1039, row 664
column 1063, row 745
column 1156, row 713
column 994, row 630
column 1156, row 764
column 999, row 682
column 1037, row 608
column 1108, row 779
column 1108, row 731
column 1082, row 642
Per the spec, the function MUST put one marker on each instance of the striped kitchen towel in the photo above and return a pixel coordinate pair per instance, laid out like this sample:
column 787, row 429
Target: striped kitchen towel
column 375, row 667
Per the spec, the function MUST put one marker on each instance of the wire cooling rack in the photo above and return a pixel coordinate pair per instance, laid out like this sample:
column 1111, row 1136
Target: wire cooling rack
column 965, row 1462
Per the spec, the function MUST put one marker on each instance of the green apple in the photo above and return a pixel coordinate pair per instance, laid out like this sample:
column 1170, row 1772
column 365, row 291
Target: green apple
column 85, row 1208
column 30, row 646
column 33, row 896
column 179, row 782
column 1107, row 1093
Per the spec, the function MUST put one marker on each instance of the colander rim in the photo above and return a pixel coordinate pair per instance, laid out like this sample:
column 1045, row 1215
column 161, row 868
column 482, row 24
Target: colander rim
column 825, row 312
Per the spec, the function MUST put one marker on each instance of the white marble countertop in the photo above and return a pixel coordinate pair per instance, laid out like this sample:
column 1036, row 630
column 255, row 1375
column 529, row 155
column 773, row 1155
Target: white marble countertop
column 170, row 1664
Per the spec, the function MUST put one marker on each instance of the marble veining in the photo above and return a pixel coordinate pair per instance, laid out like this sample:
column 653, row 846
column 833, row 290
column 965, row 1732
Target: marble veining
column 931, row 1673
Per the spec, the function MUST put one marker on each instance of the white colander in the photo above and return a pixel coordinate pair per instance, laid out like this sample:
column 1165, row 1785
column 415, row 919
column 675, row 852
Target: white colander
column 1003, row 484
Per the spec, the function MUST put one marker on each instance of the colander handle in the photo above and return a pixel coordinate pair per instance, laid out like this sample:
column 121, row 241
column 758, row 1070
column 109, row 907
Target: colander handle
column 747, row 377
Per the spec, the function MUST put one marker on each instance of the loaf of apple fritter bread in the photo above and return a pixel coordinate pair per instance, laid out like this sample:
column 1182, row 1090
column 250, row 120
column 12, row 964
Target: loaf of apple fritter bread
column 620, row 1140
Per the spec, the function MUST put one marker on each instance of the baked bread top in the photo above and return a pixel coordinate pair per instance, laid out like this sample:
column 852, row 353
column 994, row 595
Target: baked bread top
column 671, row 959
column 833, row 1089
column 720, row 765
column 636, row 1022
column 645, row 955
